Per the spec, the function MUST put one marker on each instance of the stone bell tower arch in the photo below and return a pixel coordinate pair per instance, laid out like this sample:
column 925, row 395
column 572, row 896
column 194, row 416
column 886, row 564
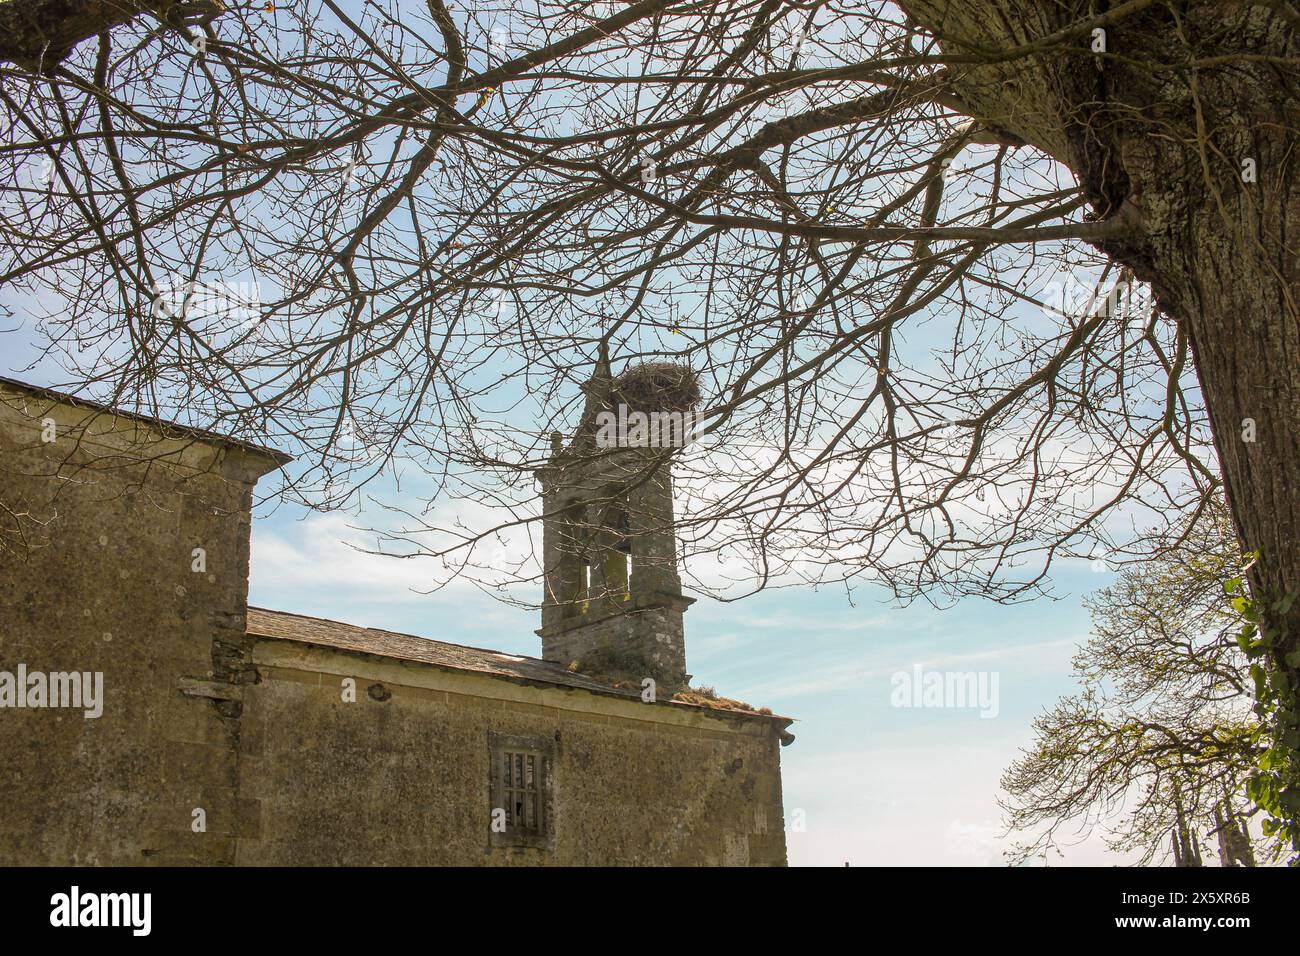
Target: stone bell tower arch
column 613, row 599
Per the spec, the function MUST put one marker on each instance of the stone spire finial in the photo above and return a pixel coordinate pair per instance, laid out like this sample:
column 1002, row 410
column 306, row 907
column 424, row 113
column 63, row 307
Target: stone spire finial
column 597, row 389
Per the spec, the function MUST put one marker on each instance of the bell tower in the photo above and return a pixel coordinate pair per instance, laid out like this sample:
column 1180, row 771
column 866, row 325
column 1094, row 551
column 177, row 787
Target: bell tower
column 613, row 598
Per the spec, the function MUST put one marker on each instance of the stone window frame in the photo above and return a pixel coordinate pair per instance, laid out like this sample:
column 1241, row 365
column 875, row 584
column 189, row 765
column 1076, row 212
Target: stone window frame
column 544, row 750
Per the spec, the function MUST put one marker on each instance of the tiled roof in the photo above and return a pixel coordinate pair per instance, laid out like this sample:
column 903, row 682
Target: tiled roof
column 284, row 626
column 408, row 647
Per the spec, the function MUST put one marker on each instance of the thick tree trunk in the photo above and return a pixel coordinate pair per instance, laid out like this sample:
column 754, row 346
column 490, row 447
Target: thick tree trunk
column 38, row 34
column 1194, row 101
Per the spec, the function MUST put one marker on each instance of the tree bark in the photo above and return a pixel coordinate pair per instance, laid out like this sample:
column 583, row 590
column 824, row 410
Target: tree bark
column 39, row 34
column 1159, row 133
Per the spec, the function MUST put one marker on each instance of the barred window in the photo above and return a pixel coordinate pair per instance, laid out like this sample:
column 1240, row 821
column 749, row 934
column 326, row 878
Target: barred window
column 521, row 784
column 521, row 790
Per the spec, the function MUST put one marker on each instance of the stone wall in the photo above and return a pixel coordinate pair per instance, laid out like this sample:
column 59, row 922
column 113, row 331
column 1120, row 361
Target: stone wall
column 630, row 644
column 99, row 519
column 401, row 775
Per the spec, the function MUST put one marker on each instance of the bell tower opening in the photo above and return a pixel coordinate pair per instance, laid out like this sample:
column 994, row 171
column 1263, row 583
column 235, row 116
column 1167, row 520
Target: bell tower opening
column 613, row 600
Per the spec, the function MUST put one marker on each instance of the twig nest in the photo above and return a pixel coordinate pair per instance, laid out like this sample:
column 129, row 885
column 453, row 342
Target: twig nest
column 657, row 386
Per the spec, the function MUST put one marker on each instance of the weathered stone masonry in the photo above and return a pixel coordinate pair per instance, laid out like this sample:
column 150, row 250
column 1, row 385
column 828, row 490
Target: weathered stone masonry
column 239, row 713
column 96, row 574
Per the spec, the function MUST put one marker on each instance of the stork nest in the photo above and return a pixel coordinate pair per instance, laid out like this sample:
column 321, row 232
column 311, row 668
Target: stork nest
column 657, row 386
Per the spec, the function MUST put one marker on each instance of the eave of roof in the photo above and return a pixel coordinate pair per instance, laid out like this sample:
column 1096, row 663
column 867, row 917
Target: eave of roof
column 283, row 625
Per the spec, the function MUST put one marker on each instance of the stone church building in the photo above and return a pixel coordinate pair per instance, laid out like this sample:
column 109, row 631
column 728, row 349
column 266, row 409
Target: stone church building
column 149, row 716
